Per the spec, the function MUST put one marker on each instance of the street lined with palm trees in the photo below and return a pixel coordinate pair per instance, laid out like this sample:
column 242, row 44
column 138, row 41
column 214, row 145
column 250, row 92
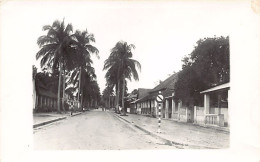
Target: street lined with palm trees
column 68, row 83
column 95, row 129
column 67, row 55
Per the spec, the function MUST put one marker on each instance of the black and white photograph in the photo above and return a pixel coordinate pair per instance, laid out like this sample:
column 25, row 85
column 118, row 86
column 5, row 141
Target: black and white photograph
column 130, row 76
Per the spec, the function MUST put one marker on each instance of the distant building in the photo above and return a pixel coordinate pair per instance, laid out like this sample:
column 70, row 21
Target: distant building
column 133, row 98
column 45, row 99
column 147, row 105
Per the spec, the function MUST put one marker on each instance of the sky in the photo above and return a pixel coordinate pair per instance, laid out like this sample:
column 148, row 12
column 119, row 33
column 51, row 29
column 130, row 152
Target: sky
column 163, row 33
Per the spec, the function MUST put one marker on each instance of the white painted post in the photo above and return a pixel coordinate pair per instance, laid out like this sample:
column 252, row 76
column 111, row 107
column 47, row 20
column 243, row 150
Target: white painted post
column 195, row 114
column 206, row 103
column 179, row 107
column 166, row 108
column 206, row 106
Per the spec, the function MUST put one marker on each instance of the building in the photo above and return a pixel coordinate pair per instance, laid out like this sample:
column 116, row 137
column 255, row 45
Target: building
column 148, row 105
column 133, row 98
column 215, row 109
column 45, row 95
column 44, row 98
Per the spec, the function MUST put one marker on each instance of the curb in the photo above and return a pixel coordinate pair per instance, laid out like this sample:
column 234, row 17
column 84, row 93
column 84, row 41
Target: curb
column 54, row 120
column 76, row 114
column 167, row 142
column 48, row 122
column 212, row 127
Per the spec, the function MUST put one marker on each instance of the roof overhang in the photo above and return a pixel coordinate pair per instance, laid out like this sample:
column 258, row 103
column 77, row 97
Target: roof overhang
column 219, row 87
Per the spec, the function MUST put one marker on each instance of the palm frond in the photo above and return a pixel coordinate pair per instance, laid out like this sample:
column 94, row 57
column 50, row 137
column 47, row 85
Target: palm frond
column 69, row 29
column 44, row 40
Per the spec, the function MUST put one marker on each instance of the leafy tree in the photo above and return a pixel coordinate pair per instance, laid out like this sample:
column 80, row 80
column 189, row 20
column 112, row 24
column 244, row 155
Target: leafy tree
column 121, row 66
column 206, row 66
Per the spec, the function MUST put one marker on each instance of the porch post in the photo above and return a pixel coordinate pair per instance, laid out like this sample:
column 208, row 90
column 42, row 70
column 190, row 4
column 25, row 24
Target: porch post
column 206, row 103
column 173, row 107
column 156, row 110
column 195, row 114
column 166, row 108
column 219, row 104
column 179, row 106
column 150, row 107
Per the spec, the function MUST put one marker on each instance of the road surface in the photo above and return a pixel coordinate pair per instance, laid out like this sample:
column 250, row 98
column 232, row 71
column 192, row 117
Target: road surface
column 94, row 130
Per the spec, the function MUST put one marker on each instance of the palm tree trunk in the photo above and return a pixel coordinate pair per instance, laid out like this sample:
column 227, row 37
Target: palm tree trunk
column 109, row 101
column 123, row 94
column 81, row 108
column 63, row 90
column 118, row 90
column 58, row 101
column 117, row 100
column 79, row 87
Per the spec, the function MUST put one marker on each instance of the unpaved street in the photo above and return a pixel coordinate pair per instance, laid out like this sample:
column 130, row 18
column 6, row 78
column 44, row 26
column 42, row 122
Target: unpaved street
column 94, row 130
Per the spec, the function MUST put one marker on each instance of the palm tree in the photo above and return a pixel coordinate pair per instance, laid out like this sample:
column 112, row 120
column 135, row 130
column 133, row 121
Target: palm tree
column 112, row 80
column 107, row 92
column 57, row 50
column 121, row 65
column 84, row 48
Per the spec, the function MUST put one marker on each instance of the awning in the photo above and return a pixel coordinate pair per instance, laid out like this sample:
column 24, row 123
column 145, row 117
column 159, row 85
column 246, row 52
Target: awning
column 219, row 87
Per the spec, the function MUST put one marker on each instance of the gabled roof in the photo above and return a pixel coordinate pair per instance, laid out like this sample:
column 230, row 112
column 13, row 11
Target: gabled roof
column 143, row 92
column 167, row 83
column 166, row 87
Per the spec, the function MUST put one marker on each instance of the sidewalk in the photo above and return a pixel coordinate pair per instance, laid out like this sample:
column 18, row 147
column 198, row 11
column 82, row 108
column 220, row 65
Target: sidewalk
column 184, row 134
column 40, row 119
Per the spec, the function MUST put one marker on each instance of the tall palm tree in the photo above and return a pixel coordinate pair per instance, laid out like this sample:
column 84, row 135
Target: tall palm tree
column 112, row 80
column 120, row 62
column 107, row 92
column 57, row 50
column 84, row 49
